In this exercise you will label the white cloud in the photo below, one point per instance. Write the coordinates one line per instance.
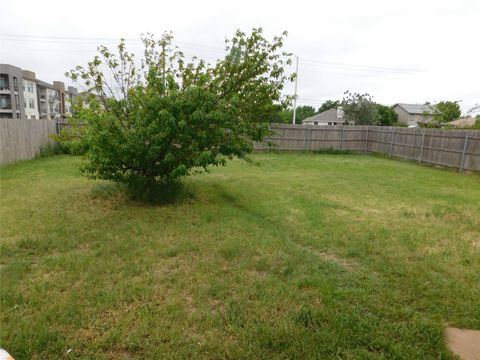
(438, 39)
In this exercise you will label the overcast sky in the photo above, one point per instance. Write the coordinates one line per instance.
(398, 51)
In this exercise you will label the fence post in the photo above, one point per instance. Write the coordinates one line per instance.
(366, 142)
(462, 164)
(392, 136)
(341, 143)
(305, 138)
(421, 146)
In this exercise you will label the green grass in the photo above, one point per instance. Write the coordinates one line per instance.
(299, 256)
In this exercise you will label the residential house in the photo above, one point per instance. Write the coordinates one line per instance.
(414, 114)
(11, 94)
(329, 117)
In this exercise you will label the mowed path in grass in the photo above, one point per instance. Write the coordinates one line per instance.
(294, 256)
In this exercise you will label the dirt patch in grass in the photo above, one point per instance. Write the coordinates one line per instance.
(464, 343)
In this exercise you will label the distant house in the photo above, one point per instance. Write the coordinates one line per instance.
(414, 114)
(329, 117)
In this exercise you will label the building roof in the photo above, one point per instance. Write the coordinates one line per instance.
(464, 122)
(45, 84)
(326, 116)
(417, 108)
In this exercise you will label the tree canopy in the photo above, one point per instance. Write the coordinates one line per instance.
(386, 115)
(285, 116)
(148, 125)
(329, 104)
(447, 111)
(359, 109)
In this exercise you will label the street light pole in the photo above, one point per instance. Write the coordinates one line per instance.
(295, 98)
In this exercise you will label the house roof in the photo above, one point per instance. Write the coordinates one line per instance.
(464, 122)
(326, 116)
(417, 108)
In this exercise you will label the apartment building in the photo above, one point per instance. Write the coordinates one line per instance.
(49, 101)
(11, 94)
(30, 96)
(24, 96)
(70, 96)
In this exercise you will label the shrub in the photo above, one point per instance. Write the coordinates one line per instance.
(169, 118)
(70, 137)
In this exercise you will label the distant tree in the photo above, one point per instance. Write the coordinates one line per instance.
(281, 116)
(446, 111)
(286, 116)
(386, 115)
(329, 104)
(304, 112)
(477, 123)
(475, 108)
(359, 109)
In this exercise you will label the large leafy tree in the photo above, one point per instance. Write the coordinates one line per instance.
(447, 111)
(148, 123)
(359, 109)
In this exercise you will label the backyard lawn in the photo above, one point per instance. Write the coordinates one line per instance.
(293, 256)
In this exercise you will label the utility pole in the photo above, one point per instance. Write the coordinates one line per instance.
(295, 98)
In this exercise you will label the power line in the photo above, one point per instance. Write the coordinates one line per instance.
(315, 64)
(313, 100)
(96, 41)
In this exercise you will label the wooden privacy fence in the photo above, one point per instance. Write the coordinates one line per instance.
(23, 139)
(453, 148)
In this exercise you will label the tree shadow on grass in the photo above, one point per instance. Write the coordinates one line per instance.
(176, 193)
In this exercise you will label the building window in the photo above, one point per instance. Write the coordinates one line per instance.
(5, 102)
(4, 82)
(315, 123)
(17, 102)
(31, 103)
(15, 84)
(6, 116)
